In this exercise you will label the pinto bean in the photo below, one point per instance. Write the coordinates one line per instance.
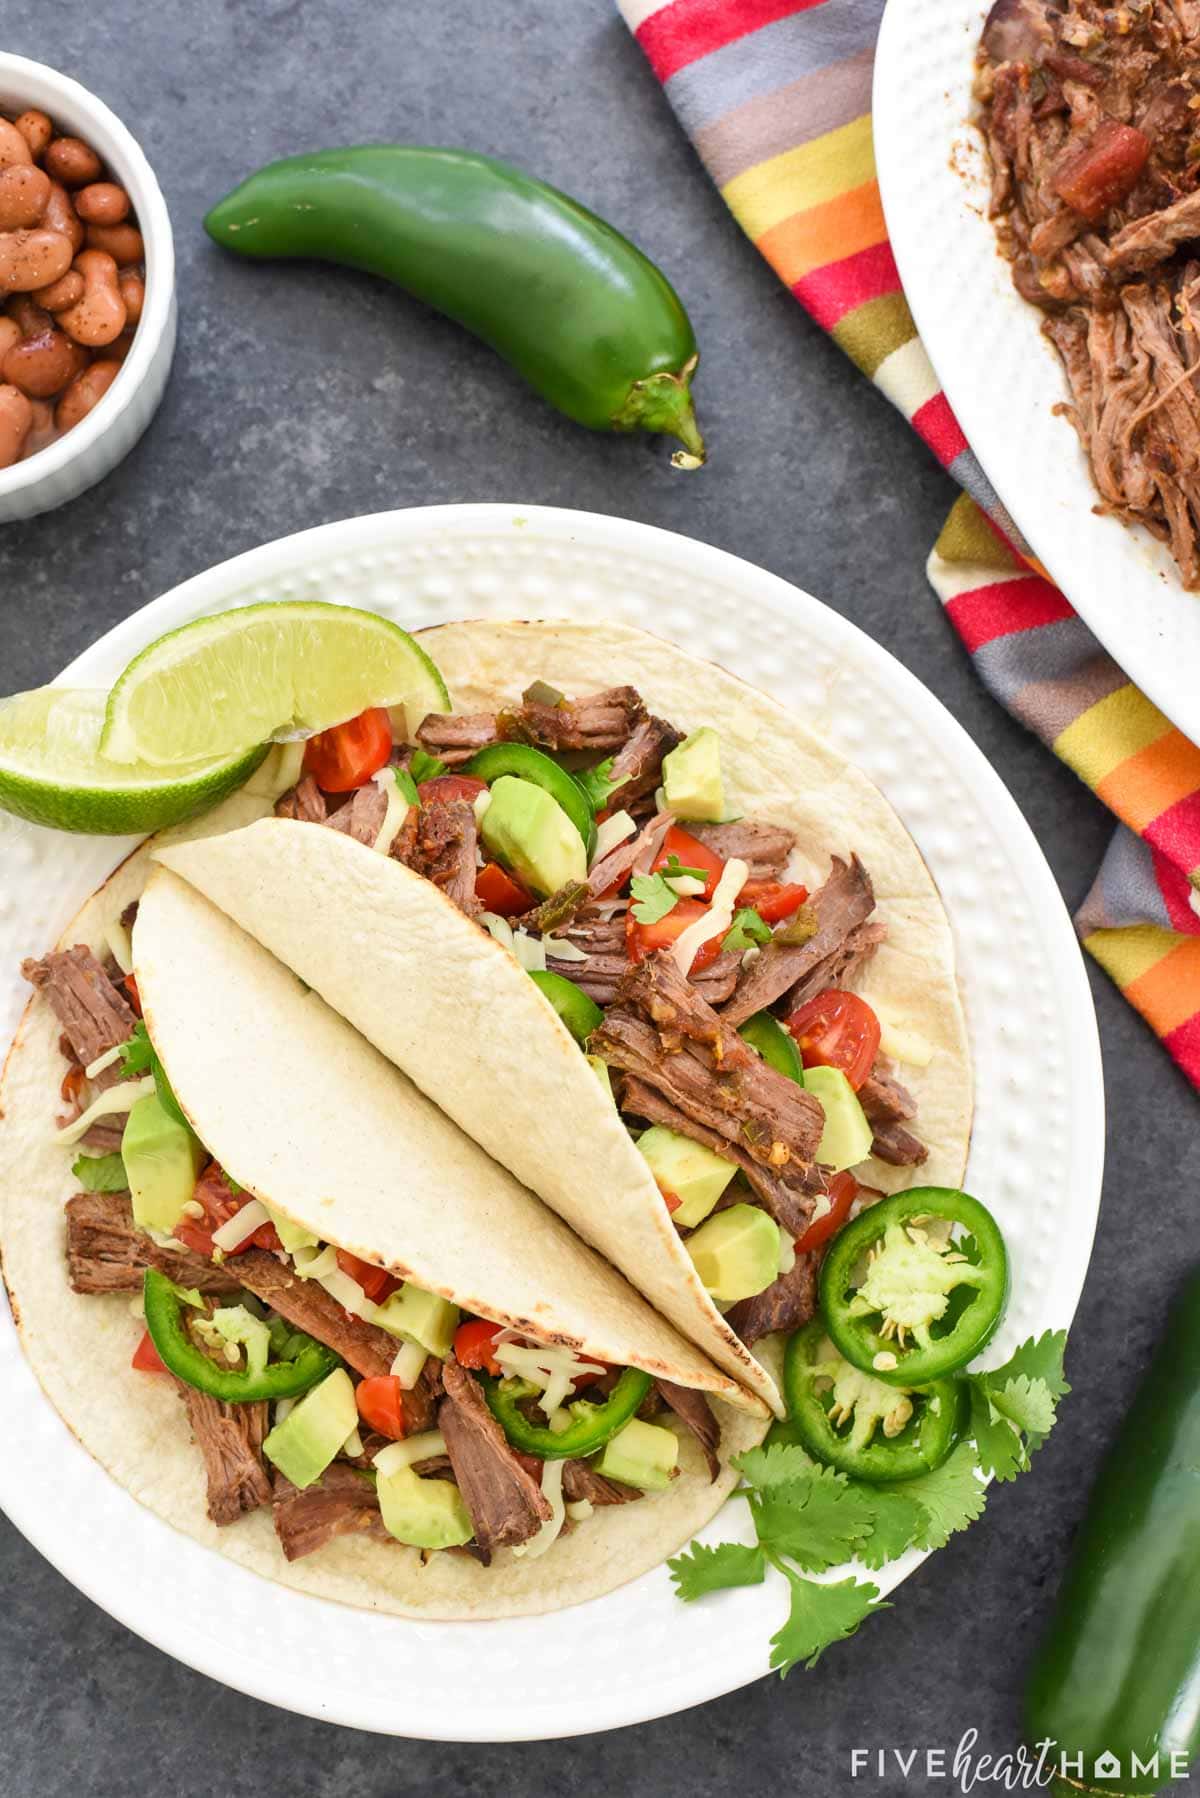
(60, 215)
(42, 366)
(24, 192)
(16, 416)
(32, 258)
(13, 148)
(42, 430)
(10, 333)
(122, 242)
(61, 293)
(131, 285)
(85, 391)
(102, 203)
(100, 315)
(71, 161)
(36, 129)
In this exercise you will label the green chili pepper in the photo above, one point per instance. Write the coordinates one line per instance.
(307, 1361)
(852, 1421)
(776, 1045)
(575, 308)
(590, 1426)
(902, 1303)
(580, 1014)
(527, 763)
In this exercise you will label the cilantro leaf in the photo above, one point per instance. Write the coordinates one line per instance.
(407, 786)
(1013, 1408)
(779, 1464)
(816, 1520)
(422, 766)
(820, 1616)
(699, 1569)
(899, 1520)
(1001, 1450)
(598, 784)
(950, 1496)
(1027, 1403)
(654, 898)
(1038, 1358)
(101, 1173)
(746, 930)
(137, 1055)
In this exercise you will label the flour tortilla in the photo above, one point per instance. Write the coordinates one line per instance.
(454, 1010)
(283, 1091)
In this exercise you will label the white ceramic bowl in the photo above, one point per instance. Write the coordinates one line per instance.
(85, 455)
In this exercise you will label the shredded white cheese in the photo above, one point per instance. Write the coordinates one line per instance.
(120, 944)
(314, 1264)
(353, 1443)
(282, 1407)
(903, 1044)
(552, 1480)
(498, 927)
(413, 1449)
(787, 1253)
(686, 885)
(396, 813)
(614, 830)
(231, 1235)
(480, 804)
(348, 1293)
(562, 949)
(101, 1062)
(555, 1370)
(122, 1097)
(580, 1510)
(530, 951)
(717, 919)
(408, 1364)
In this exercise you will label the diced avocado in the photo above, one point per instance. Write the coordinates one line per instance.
(691, 775)
(692, 1172)
(530, 833)
(304, 1444)
(421, 1316)
(162, 1160)
(641, 1454)
(292, 1236)
(847, 1136)
(736, 1253)
(423, 1513)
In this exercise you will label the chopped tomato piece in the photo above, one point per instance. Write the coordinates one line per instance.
(690, 852)
(451, 786)
(642, 939)
(1102, 173)
(72, 1080)
(347, 755)
(501, 893)
(837, 1030)
(530, 1463)
(843, 1190)
(130, 984)
(773, 900)
(213, 1191)
(475, 1342)
(376, 1282)
(671, 1200)
(380, 1401)
(146, 1357)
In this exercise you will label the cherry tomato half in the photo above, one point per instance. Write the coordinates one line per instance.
(220, 1202)
(347, 755)
(837, 1030)
(843, 1190)
(131, 987)
(380, 1401)
(475, 1343)
(501, 892)
(376, 1282)
(444, 787)
(146, 1357)
(642, 939)
(772, 899)
(690, 852)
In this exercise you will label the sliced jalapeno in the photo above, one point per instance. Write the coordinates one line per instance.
(580, 1014)
(527, 763)
(590, 1426)
(307, 1362)
(777, 1046)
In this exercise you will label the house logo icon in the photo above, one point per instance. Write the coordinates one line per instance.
(1106, 1766)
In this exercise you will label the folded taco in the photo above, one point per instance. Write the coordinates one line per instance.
(299, 1313)
(643, 936)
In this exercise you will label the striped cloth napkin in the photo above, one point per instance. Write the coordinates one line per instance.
(775, 95)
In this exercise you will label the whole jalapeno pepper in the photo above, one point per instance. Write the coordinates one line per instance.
(578, 310)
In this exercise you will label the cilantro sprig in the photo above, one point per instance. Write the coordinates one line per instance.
(747, 931)
(653, 898)
(423, 766)
(808, 1518)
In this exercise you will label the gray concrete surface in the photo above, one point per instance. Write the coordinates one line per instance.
(311, 395)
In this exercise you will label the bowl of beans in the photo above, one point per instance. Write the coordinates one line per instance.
(87, 289)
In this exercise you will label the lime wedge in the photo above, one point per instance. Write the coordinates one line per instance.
(259, 672)
(52, 772)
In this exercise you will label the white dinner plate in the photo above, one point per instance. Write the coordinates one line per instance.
(1000, 375)
(1036, 1154)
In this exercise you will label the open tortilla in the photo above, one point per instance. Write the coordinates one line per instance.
(320, 1125)
(453, 1009)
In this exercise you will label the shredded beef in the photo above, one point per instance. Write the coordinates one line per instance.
(719, 979)
(841, 966)
(637, 766)
(599, 721)
(844, 902)
(106, 1252)
(367, 1348)
(304, 801)
(421, 1402)
(580, 1481)
(362, 816)
(634, 855)
(788, 1302)
(455, 737)
(603, 942)
(763, 847)
(93, 1014)
(343, 1502)
(889, 1106)
(443, 850)
(694, 1411)
(230, 1438)
(506, 1504)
